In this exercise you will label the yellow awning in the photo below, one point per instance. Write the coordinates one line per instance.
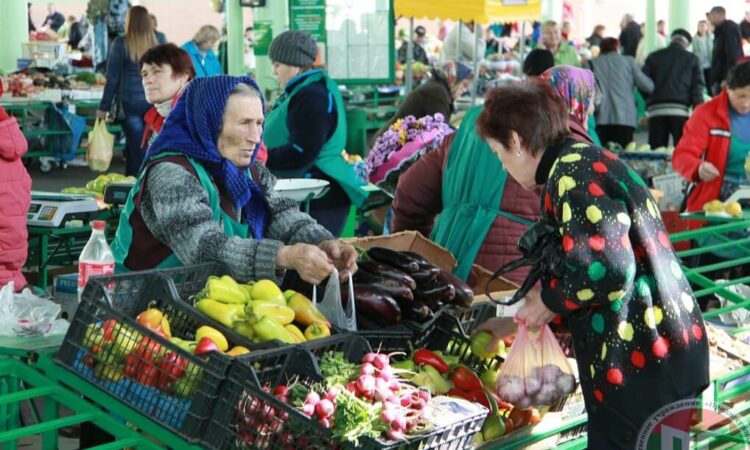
(480, 11)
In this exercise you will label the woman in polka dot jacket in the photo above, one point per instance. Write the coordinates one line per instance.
(639, 338)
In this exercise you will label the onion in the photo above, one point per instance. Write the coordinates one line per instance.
(510, 389)
(532, 385)
(565, 384)
(547, 394)
(548, 373)
(523, 403)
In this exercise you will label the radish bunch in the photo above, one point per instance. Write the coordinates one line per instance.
(321, 409)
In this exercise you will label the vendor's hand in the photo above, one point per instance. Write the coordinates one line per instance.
(707, 171)
(344, 256)
(311, 263)
(534, 313)
(101, 114)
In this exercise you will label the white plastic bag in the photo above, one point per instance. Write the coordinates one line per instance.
(738, 317)
(100, 147)
(331, 307)
(25, 314)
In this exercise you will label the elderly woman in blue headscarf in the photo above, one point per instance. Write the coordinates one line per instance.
(202, 197)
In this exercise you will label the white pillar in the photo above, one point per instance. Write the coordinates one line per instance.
(650, 31)
(552, 10)
(14, 31)
(679, 15)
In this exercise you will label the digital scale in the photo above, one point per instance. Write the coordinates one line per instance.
(742, 193)
(53, 209)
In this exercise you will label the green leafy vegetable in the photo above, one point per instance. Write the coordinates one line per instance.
(337, 371)
(355, 418)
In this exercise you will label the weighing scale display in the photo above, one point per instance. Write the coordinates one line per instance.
(34, 208)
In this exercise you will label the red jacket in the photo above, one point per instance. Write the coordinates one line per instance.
(707, 135)
(418, 201)
(15, 192)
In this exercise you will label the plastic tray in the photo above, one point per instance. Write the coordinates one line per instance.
(182, 402)
(242, 418)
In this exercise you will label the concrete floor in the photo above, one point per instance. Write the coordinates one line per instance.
(71, 176)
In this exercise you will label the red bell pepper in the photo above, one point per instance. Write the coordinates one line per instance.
(148, 375)
(424, 357)
(205, 345)
(464, 378)
(108, 328)
(171, 367)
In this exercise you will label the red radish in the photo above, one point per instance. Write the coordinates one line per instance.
(332, 393)
(395, 435)
(424, 395)
(325, 422)
(386, 374)
(399, 422)
(406, 401)
(394, 385)
(312, 397)
(367, 369)
(370, 357)
(308, 409)
(366, 384)
(352, 387)
(381, 361)
(388, 415)
(324, 408)
(281, 390)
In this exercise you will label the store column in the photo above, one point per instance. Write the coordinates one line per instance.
(14, 31)
(650, 31)
(552, 10)
(274, 16)
(235, 38)
(679, 15)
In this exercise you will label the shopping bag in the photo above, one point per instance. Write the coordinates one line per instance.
(536, 372)
(332, 306)
(100, 147)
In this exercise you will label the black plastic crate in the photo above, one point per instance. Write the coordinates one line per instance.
(471, 317)
(133, 293)
(249, 416)
(188, 281)
(166, 383)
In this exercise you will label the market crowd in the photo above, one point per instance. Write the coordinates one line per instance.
(540, 153)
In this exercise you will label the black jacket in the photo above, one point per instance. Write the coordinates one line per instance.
(677, 76)
(629, 38)
(745, 29)
(418, 53)
(727, 49)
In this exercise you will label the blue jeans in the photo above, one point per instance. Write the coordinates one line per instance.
(133, 127)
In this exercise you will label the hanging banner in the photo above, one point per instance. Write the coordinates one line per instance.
(309, 16)
(262, 29)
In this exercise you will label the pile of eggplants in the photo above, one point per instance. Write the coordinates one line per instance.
(391, 286)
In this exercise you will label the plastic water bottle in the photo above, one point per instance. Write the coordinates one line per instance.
(96, 258)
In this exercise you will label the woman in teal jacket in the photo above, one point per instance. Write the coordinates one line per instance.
(200, 49)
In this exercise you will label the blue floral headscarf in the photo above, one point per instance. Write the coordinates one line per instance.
(193, 127)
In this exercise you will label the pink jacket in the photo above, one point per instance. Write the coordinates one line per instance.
(15, 192)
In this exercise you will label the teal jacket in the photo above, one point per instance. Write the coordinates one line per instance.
(204, 66)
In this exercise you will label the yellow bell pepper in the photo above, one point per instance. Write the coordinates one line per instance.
(281, 314)
(225, 314)
(304, 311)
(317, 331)
(295, 332)
(268, 329)
(224, 290)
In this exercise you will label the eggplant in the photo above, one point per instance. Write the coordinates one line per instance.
(464, 294)
(367, 277)
(417, 257)
(443, 293)
(375, 304)
(417, 311)
(399, 293)
(393, 258)
(387, 271)
(425, 276)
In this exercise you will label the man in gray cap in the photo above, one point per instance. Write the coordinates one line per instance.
(678, 85)
(305, 131)
(420, 55)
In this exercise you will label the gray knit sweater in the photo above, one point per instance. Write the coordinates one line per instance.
(175, 209)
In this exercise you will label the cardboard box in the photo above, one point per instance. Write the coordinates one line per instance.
(410, 241)
(479, 277)
(66, 294)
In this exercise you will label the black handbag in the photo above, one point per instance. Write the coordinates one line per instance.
(116, 114)
(541, 247)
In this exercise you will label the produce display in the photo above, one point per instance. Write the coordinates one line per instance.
(392, 286)
(717, 207)
(98, 184)
(116, 351)
(359, 402)
(261, 312)
(24, 85)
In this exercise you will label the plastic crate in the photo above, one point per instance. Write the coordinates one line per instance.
(180, 397)
(471, 317)
(187, 281)
(248, 416)
(392, 338)
(135, 292)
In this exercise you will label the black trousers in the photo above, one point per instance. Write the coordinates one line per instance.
(619, 134)
(661, 127)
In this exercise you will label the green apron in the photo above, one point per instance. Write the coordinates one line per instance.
(473, 185)
(329, 161)
(124, 235)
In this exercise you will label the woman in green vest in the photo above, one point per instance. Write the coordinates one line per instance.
(306, 129)
(201, 196)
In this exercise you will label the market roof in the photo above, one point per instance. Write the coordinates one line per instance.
(480, 11)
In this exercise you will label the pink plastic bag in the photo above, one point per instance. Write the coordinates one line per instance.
(536, 372)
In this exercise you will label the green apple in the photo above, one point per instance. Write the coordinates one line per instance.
(480, 343)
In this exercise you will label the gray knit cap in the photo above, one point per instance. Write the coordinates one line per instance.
(293, 48)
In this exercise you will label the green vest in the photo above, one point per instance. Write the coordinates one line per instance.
(124, 235)
(329, 161)
(473, 185)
